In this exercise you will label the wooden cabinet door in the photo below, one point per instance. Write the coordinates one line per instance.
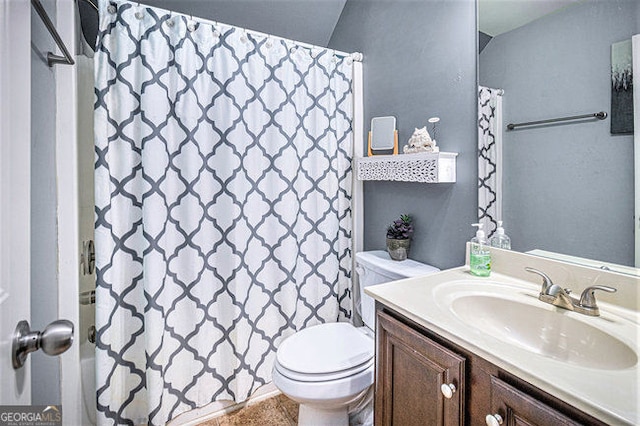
(410, 370)
(519, 409)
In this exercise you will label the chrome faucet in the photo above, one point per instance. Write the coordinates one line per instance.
(587, 304)
(557, 296)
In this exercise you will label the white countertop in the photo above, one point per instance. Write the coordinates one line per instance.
(611, 395)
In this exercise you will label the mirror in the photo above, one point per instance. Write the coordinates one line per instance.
(568, 187)
(383, 134)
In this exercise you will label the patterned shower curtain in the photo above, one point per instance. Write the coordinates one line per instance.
(489, 158)
(223, 216)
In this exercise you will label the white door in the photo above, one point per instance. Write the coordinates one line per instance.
(15, 142)
(15, 196)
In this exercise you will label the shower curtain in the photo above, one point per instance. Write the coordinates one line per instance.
(223, 216)
(489, 158)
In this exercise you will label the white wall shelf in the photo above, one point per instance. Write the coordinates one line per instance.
(439, 167)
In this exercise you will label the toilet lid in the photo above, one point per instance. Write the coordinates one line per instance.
(325, 348)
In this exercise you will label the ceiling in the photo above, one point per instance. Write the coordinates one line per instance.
(500, 16)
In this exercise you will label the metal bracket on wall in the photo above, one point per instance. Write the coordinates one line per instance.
(88, 257)
(52, 58)
(88, 297)
(91, 334)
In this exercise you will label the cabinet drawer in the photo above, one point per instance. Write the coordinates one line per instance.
(517, 408)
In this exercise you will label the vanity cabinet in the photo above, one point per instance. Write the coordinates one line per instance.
(412, 370)
(415, 366)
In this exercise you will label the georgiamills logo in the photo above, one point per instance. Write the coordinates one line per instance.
(39, 415)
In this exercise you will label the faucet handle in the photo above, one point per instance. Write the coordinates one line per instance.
(546, 281)
(588, 299)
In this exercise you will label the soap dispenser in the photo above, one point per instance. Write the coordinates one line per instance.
(480, 255)
(500, 239)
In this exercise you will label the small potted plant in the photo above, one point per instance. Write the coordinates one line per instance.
(399, 236)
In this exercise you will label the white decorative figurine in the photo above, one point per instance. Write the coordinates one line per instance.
(420, 141)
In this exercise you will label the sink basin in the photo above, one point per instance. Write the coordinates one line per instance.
(528, 323)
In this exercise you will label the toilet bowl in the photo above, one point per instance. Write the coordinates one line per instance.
(329, 368)
(325, 368)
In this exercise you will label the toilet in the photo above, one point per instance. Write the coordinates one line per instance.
(329, 368)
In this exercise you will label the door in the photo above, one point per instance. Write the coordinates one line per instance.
(418, 381)
(15, 136)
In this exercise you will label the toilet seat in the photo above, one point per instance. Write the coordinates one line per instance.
(322, 377)
(325, 352)
(327, 394)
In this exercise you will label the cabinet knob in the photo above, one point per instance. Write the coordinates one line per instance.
(493, 419)
(448, 389)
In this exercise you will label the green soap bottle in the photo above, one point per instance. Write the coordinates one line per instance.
(480, 255)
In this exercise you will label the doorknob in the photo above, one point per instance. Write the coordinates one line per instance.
(56, 338)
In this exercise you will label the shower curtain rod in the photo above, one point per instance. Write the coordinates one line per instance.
(52, 58)
(356, 56)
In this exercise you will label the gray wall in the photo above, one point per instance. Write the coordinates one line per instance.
(45, 370)
(310, 21)
(419, 62)
(567, 188)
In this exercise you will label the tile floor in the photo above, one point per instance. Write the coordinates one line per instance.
(277, 411)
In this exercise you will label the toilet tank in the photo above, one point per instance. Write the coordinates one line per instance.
(376, 267)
